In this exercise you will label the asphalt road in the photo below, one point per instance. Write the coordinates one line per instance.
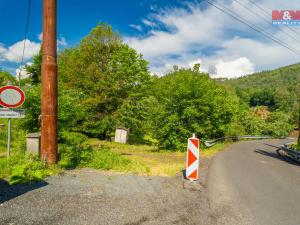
(250, 184)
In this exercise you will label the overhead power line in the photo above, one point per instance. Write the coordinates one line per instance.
(268, 21)
(269, 14)
(257, 27)
(25, 35)
(253, 27)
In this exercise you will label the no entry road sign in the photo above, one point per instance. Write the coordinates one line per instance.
(11, 96)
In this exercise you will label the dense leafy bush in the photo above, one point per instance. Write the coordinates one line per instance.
(31, 169)
(75, 152)
(72, 150)
(192, 103)
(278, 124)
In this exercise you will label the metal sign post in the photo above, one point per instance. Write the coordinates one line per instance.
(8, 138)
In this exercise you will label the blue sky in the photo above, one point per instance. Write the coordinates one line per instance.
(166, 32)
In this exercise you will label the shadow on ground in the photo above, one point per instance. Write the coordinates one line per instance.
(276, 156)
(8, 192)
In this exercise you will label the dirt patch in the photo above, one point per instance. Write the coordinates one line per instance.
(294, 134)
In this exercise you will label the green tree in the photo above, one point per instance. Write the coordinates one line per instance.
(282, 99)
(6, 78)
(107, 72)
(262, 97)
(35, 68)
(193, 103)
(141, 116)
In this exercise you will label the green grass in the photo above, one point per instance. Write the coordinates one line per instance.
(21, 167)
(144, 159)
(17, 145)
(137, 159)
(295, 146)
(18, 140)
(105, 158)
(5, 169)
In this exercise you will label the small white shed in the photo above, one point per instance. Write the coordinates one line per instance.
(122, 135)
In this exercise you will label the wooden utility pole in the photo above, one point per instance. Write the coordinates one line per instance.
(49, 84)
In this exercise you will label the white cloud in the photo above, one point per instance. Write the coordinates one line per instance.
(40, 36)
(183, 31)
(224, 46)
(21, 73)
(231, 69)
(136, 27)
(62, 41)
(148, 23)
(14, 52)
(2, 49)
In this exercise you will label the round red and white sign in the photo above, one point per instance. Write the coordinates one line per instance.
(11, 96)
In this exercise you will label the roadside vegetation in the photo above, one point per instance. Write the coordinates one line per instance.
(103, 83)
(78, 151)
(273, 97)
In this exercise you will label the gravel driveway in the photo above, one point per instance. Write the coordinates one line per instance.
(90, 197)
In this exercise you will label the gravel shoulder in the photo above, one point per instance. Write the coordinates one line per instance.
(88, 196)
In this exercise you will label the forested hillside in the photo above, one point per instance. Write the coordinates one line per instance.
(270, 93)
(278, 89)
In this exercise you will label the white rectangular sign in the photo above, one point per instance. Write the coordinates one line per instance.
(12, 113)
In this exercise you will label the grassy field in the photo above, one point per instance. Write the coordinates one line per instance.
(17, 137)
(17, 143)
(147, 160)
(4, 168)
(137, 159)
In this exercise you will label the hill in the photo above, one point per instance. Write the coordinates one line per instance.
(287, 76)
(278, 89)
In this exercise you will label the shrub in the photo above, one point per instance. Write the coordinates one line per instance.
(73, 151)
(31, 169)
(277, 125)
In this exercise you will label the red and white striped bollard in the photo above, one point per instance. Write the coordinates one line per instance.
(192, 164)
